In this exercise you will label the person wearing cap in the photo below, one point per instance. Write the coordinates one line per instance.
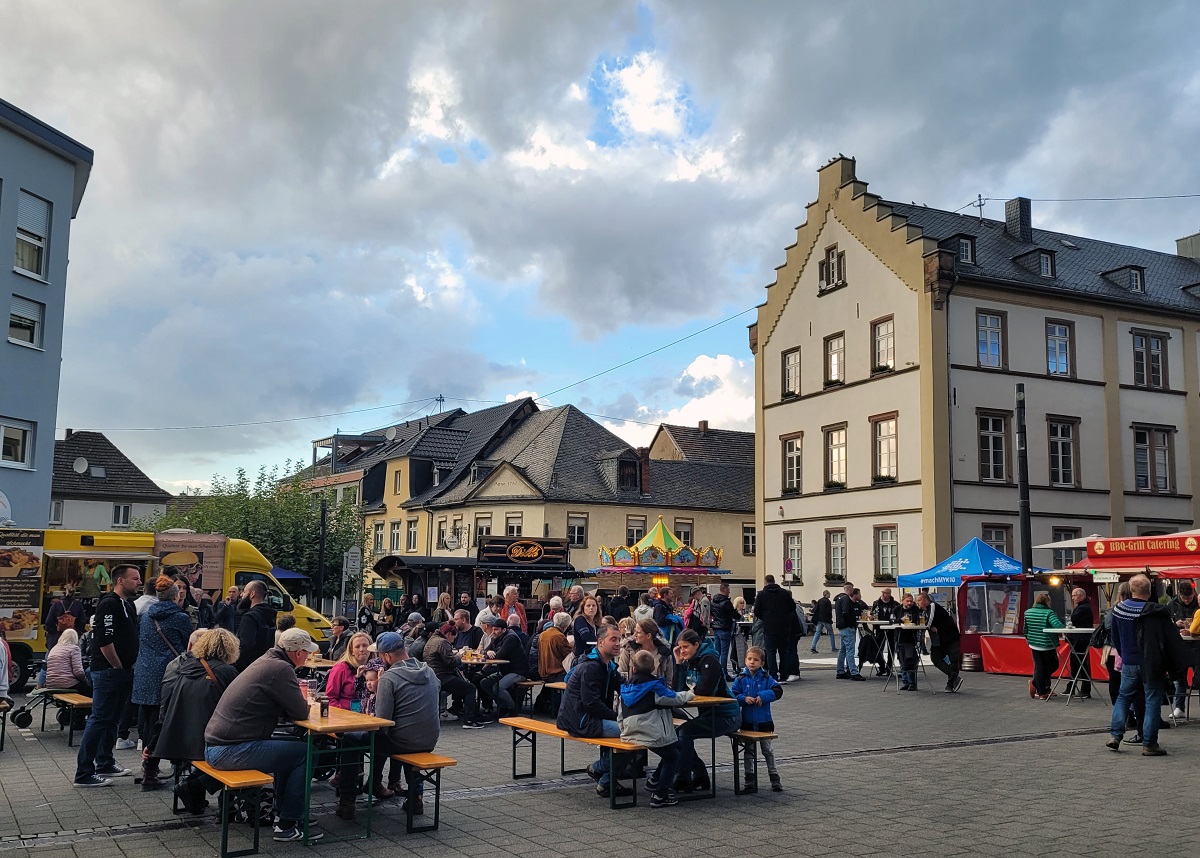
(447, 667)
(499, 679)
(407, 696)
(239, 734)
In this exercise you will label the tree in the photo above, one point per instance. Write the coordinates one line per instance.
(280, 516)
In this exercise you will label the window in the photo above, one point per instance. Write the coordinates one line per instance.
(988, 606)
(835, 555)
(835, 359)
(512, 524)
(993, 447)
(56, 512)
(791, 464)
(398, 482)
(999, 536)
(627, 475)
(1064, 557)
(394, 536)
(1046, 264)
(1152, 459)
(793, 550)
(1058, 347)
(483, 527)
(122, 512)
(16, 442)
(966, 249)
(887, 553)
(1064, 453)
(1149, 359)
(749, 540)
(831, 270)
(884, 340)
(883, 434)
(835, 457)
(1137, 282)
(577, 531)
(635, 528)
(25, 320)
(989, 327)
(349, 494)
(33, 230)
(683, 532)
(377, 538)
(410, 538)
(441, 532)
(791, 372)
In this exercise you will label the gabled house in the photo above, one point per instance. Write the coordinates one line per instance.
(97, 487)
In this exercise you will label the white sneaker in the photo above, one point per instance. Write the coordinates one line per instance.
(794, 676)
(1178, 713)
(125, 745)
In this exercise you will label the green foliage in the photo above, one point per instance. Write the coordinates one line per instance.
(276, 513)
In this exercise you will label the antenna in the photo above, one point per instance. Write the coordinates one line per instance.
(441, 401)
(80, 465)
(979, 205)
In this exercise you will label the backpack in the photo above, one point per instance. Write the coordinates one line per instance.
(691, 619)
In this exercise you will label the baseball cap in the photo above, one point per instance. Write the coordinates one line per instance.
(294, 640)
(448, 629)
(387, 642)
(416, 617)
(498, 622)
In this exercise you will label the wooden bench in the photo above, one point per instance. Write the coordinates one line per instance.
(428, 769)
(526, 687)
(232, 781)
(526, 731)
(746, 742)
(70, 701)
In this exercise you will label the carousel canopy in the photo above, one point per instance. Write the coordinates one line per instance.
(658, 552)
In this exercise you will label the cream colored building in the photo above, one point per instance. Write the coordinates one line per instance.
(888, 351)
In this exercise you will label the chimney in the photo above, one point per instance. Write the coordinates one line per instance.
(70, 432)
(644, 469)
(1018, 221)
(1188, 247)
(703, 427)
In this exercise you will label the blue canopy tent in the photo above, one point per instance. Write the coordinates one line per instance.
(974, 558)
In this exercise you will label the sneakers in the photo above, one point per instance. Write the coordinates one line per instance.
(448, 716)
(294, 832)
(793, 677)
(957, 683)
(776, 784)
(813, 650)
(592, 773)
(92, 781)
(1032, 691)
(1135, 740)
(472, 725)
(651, 783)
(843, 676)
(113, 771)
(1113, 744)
(125, 745)
(857, 677)
(1177, 713)
(603, 791)
(1154, 751)
(666, 799)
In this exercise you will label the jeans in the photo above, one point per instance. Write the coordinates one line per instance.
(776, 649)
(283, 758)
(668, 765)
(465, 692)
(691, 767)
(611, 730)
(723, 637)
(828, 629)
(498, 687)
(847, 660)
(110, 695)
(1131, 679)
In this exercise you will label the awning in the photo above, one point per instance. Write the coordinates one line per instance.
(280, 574)
(1165, 567)
(1079, 543)
(974, 558)
(395, 563)
(659, 570)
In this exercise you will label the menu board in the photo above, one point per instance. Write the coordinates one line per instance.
(21, 553)
(1011, 612)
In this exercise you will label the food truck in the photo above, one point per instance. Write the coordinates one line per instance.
(38, 566)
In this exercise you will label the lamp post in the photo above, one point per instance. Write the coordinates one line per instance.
(1023, 484)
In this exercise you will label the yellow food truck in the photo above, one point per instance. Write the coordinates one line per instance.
(37, 566)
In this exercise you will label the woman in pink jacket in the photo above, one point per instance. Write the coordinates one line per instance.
(343, 687)
(64, 664)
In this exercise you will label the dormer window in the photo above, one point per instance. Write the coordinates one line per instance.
(966, 249)
(627, 476)
(1131, 277)
(474, 473)
(1137, 280)
(1046, 263)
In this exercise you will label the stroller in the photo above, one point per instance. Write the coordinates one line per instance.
(43, 698)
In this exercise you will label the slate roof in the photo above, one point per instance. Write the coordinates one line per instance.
(1079, 264)
(365, 455)
(701, 485)
(122, 479)
(715, 446)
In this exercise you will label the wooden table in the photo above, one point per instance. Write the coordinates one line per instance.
(319, 663)
(339, 721)
(710, 704)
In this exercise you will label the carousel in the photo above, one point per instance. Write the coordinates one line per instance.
(657, 560)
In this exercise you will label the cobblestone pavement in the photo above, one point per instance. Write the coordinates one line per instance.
(986, 771)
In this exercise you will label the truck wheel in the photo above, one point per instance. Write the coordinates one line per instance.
(19, 669)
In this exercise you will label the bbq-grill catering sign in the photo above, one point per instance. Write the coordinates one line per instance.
(1182, 544)
(21, 553)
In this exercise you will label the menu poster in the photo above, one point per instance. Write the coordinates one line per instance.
(1010, 614)
(20, 582)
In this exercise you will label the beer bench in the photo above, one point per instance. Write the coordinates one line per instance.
(428, 770)
(236, 780)
(746, 742)
(70, 701)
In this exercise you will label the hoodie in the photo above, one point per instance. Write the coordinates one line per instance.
(408, 695)
(588, 700)
(758, 684)
(646, 702)
(256, 633)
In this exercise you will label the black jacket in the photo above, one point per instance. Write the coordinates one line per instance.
(774, 607)
(511, 648)
(618, 608)
(724, 614)
(592, 687)
(1163, 651)
(1180, 611)
(189, 698)
(889, 611)
(943, 631)
(845, 614)
(226, 616)
(1081, 618)
(256, 633)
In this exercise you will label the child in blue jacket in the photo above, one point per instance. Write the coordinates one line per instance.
(756, 690)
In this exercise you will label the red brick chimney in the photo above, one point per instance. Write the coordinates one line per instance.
(703, 427)
(644, 469)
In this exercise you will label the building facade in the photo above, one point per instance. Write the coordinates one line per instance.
(97, 487)
(887, 357)
(43, 174)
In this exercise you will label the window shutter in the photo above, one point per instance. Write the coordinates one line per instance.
(33, 215)
(28, 309)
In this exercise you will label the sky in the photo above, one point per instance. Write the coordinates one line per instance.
(301, 209)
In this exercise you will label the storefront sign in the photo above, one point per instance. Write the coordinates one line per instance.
(1133, 545)
(20, 582)
(523, 551)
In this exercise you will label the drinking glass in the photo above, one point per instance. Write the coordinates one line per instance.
(693, 677)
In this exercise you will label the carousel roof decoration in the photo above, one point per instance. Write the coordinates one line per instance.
(659, 552)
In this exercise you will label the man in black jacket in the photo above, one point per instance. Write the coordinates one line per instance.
(618, 605)
(506, 646)
(944, 644)
(1183, 608)
(845, 617)
(822, 618)
(724, 623)
(1081, 618)
(775, 608)
(587, 704)
(887, 609)
(256, 631)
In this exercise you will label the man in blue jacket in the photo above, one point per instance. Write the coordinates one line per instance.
(587, 704)
(1154, 621)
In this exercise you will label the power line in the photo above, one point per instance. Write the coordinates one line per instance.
(1112, 199)
(581, 411)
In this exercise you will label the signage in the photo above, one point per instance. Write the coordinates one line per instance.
(452, 542)
(1135, 545)
(352, 562)
(525, 551)
(200, 557)
(20, 582)
(787, 565)
(1106, 577)
(1011, 612)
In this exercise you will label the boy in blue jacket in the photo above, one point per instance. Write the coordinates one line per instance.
(756, 690)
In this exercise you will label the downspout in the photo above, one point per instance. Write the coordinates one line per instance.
(950, 401)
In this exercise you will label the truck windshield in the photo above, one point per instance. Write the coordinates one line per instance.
(276, 597)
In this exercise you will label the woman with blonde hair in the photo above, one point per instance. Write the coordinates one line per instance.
(443, 613)
(342, 686)
(64, 664)
(738, 642)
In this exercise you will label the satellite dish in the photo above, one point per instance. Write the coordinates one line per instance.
(80, 465)
(390, 434)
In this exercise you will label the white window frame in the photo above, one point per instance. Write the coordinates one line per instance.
(996, 441)
(33, 313)
(377, 537)
(29, 434)
(686, 526)
(122, 514)
(884, 343)
(835, 358)
(791, 372)
(836, 454)
(793, 550)
(56, 512)
(411, 534)
(966, 250)
(577, 528)
(835, 547)
(1058, 348)
(1137, 283)
(33, 228)
(1063, 452)
(483, 528)
(793, 464)
(514, 523)
(1156, 454)
(989, 332)
(395, 536)
(749, 540)
(635, 529)
(886, 444)
(1064, 557)
(1045, 264)
(887, 553)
